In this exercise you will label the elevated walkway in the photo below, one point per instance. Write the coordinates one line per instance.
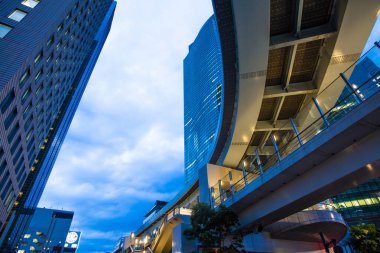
(333, 146)
(308, 224)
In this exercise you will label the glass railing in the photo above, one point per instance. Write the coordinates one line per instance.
(349, 90)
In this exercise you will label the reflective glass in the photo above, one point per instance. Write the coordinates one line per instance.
(17, 15)
(203, 98)
(4, 29)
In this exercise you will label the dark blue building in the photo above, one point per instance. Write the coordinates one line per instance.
(48, 230)
(48, 50)
(203, 95)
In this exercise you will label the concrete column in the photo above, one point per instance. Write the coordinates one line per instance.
(179, 243)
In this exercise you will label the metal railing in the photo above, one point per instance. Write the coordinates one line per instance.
(168, 217)
(349, 90)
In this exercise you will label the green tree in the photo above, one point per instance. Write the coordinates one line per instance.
(365, 238)
(211, 228)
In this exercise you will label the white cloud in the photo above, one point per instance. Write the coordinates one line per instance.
(126, 140)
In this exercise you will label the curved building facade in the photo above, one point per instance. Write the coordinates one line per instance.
(203, 98)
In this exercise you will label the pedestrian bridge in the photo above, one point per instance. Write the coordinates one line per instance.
(331, 145)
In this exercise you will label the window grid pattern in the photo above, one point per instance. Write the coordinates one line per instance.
(32, 101)
(203, 95)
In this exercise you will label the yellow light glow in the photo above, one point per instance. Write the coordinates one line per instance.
(370, 167)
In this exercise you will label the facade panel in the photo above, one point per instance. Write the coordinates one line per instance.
(203, 95)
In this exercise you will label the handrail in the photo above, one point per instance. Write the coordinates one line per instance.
(330, 110)
(172, 213)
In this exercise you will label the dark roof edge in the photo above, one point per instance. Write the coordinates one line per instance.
(223, 10)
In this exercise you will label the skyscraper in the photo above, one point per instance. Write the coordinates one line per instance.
(48, 51)
(203, 94)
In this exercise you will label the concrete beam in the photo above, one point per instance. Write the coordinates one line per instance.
(278, 109)
(299, 16)
(290, 65)
(307, 35)
(265, 126)
(292, 89)
(265, 139)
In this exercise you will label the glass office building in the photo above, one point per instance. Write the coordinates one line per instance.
(48, 50)
(361, 205)
(203, 95)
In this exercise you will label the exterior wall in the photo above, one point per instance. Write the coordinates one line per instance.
(179, 242)
(203, 98)
(45, 103)
(48, 229)
(262, 242)
(360, 205)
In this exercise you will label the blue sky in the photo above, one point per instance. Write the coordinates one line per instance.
(124, 149)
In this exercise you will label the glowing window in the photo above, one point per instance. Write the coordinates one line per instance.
(17, 15)
(30, 3)
(355, 203)
(27, 236)
(348, 204)
(4, 29)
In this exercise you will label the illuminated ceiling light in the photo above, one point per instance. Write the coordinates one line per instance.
(370, 167)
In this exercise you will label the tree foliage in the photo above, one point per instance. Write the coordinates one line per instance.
(213, 227)
(365, 238)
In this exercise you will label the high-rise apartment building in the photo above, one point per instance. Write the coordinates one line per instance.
(48, 50)
(203, 95)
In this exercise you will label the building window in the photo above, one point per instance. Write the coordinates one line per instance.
(38, 75)
(3, 166)
(38, 58)
(9, 120)
(49, 58)
(23, 78)
(13, 132)
(50, 41)
(30, 3)
(7, 101)
(25, 95)
(58, 45)
(4, 180)
(4, 29)
(17, 15)
(26, 111)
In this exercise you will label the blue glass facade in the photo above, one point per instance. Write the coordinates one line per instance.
(361, 205)
(203, 98)
(56, 79)
(48, 229)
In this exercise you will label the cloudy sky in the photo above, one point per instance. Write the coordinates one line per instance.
(124, 149)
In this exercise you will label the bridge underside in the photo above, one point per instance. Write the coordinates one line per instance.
(343, 156)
